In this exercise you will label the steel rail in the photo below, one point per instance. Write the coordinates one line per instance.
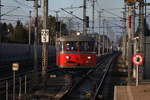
(102, 61)
(103, 77)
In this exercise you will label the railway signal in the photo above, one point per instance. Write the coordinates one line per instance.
(138, 60)
(87, 21)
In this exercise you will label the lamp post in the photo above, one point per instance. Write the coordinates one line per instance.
(15, 67)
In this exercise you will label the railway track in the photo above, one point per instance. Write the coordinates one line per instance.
(24, 82)
(88, 86)
(56, 85)
(64, 86)
(98, 92)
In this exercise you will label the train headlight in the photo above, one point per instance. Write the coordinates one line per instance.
(68, 57)
(78, 33)
(89, 57)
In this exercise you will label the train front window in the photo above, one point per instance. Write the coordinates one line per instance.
(71, 46)
(86, 46)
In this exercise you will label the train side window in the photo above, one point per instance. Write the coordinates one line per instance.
(60, 46)
(91, 45)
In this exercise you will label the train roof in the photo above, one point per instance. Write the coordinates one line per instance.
(76, 38)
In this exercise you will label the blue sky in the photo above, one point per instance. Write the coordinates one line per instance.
(25, 6)
(114, 6)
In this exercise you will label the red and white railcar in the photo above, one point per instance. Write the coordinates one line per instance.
(75, 52)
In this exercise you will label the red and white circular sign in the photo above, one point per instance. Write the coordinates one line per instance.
(137, 59)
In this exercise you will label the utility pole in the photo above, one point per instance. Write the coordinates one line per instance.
(99, 21)
(0, 10)
(124, 33)
(57, 23)
(29, 27)
(130, 37)
(93, 15)
(99, 43)
(35, 39)
(0, 21)
(107, 40)
(70, 25)
(141, 23)
(45, 44)
(78, 26)
(60, 29)
(142, 45)
(103, 51)
(57, 15)
(84, 17)
(113, 41)
(130, 20)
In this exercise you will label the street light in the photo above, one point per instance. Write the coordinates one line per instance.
(15, 67)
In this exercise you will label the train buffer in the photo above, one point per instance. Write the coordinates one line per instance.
(141, 92)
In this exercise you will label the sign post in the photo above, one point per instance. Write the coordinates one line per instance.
(137, 59)
(45, 35)
(137, 75)
(15, 67)
(44, 40)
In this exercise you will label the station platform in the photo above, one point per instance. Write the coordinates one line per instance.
(129, 91)
(140, 92)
